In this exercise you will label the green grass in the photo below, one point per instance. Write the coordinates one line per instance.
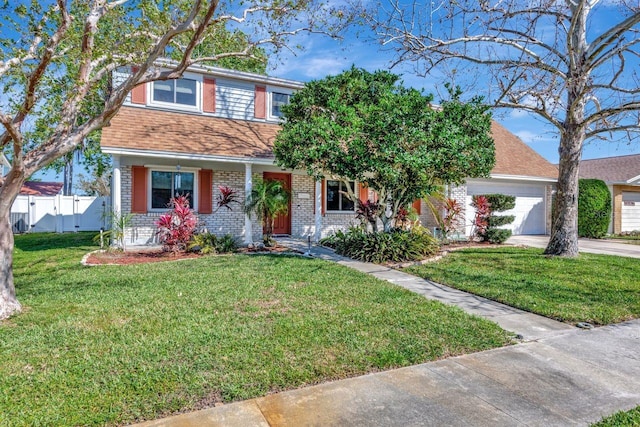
(632, 239)
(115, 344)
(621, 419)
(599, 289)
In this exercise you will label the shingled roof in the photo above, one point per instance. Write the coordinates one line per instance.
(619, 169)
(40, 188)
(147, 129)
(514, 157)
(171, 132)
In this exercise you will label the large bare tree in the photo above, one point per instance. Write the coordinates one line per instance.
(574, 63)
(57, 59)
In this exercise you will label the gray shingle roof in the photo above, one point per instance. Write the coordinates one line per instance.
(611, 169)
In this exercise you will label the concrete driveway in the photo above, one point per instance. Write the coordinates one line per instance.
(605, 247)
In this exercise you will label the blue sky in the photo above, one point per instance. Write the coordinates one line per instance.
(323, 56)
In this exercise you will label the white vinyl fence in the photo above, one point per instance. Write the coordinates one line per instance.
(59, 213)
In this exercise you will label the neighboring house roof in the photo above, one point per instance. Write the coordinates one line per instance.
(39, 188)
(514, 157)
(619, 169)
(144, 129)
(160, 131)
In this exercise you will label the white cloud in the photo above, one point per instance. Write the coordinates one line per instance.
(518, 114)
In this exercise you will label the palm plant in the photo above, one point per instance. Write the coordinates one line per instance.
(119, 223)
(267, 200)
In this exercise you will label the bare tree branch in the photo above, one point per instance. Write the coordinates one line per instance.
(583, 89)
(34, 78)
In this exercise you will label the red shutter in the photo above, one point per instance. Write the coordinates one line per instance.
(138, 189)
(323, 194)
(139, 93)
(364, 193)
(260, 102)
(209, 96)
(417, 205)
(205, 193)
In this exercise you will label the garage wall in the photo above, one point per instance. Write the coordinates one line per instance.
(626, 208)
(531, 210)
(630, 214)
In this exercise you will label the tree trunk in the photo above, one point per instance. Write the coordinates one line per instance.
(9, 305)
(67, 188)
(564, 228)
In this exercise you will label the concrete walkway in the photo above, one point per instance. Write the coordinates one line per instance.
(594, 246)
(558, 376)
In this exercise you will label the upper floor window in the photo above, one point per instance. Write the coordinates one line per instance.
(337, 197)
(277, 101)
(178, 91)
(166, 184)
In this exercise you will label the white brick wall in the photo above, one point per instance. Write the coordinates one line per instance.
(226, 221)
(222, 222)
(302, 209)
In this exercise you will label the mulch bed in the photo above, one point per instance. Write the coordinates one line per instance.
(158, 255)
(135, 257)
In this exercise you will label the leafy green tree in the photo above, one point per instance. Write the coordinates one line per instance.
(217, 40)
(267, 200)
(367, 127)
(572, 63)
(57, 59)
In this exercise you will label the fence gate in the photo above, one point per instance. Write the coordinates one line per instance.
(59, 213)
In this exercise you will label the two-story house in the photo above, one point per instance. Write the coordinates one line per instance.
(216, 127)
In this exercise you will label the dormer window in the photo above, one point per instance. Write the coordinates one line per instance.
(277, 101)
(178, 91)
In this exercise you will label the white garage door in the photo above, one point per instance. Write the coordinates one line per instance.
(630, 211)
(529, 212)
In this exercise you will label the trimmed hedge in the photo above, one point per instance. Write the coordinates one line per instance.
(499, 203)
(594, 208)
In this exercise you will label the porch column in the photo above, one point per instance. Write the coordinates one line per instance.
(248, 185)
(116, 187)
(317, 235)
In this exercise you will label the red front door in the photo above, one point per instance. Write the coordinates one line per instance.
(282, 224)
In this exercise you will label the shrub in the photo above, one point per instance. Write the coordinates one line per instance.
(498, 235)
(487, 223)
(453, 217)
(481, 218)
(208, 243)
(176, 227)
(594, 208)
(119, 223)
(367, 213)
(396, 245)
(499, 203)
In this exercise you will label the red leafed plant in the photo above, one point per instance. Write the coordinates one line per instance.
(452, 217)
(402, 218)
(483, 211)
(367, 213)
(226, 197)
(176, 227)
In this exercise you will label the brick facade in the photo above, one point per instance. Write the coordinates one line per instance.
(225, 221)
(303, 197)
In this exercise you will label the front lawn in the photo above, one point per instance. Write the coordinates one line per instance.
(599, 289)
(118, 344)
